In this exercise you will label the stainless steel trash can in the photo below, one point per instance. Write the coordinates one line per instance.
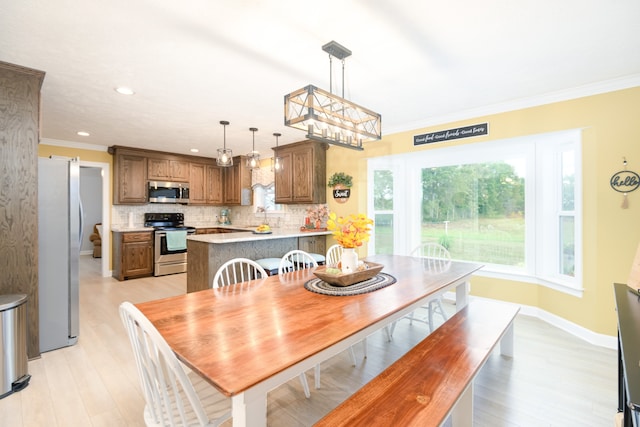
(14, 374)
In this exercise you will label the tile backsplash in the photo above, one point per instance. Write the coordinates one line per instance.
(288, 216)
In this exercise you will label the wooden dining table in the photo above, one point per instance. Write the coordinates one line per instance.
(248, 338)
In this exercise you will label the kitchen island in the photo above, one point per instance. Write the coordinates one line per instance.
(207, 252)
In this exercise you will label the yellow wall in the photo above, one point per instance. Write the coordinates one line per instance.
(610, 235)
(45, 150)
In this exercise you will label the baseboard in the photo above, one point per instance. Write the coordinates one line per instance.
(581, 332)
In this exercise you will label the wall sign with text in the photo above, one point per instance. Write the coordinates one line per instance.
(450, 134)
(341, 195)
(625, 182)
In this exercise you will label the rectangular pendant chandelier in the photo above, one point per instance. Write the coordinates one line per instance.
(330, 118)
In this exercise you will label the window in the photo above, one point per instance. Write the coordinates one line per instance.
(512, 205)
(383, 211)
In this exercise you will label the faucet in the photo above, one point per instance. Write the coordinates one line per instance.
(263, 209)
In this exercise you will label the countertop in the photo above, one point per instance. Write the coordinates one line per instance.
(247, 236)
(126, 228)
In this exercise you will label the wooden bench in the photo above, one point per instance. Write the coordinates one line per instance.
(435, 378)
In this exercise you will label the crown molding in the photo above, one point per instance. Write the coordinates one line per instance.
(597, 88)
(73, 144)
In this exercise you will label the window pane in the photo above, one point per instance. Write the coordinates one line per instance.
(383, 211)
(383, 224)
(567, 245)
(568, 179)
(383, 190)
(476, 211)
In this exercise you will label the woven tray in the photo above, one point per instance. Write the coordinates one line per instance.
(348, 279)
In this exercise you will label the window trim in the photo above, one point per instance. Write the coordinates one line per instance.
(539, 261)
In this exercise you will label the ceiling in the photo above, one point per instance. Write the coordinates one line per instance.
(194, 63)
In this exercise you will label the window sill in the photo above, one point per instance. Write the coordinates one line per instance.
(555, 284)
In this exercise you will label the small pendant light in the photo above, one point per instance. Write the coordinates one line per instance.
(276, 162)
(253, 158)
(225, 156)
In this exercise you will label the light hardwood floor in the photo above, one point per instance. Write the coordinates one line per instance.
(554, 379)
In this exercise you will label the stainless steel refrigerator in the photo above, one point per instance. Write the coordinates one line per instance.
(59, 238)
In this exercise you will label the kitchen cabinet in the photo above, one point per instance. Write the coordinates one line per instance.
(303, 176)
(214, 185)
(130, 177)
(209, 184)
(237, 183)
(132, 254)
(313, 244)
(205, 184)
(163, 169)
(197, 192)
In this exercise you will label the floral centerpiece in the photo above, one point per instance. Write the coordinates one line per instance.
(351, 231)
(316, 215)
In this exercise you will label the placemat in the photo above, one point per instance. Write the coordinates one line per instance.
(378, 281)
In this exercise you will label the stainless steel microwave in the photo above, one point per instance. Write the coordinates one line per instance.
(168, 192)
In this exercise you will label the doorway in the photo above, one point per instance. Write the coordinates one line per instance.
(98, 178)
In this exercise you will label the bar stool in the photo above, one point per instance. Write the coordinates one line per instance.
(320, 259)
(270, 265)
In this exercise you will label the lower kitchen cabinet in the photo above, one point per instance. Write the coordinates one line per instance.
(313, 244)
(132, 254)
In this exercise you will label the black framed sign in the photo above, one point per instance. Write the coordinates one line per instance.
(625, 181)
(450, 134)
(341, 195)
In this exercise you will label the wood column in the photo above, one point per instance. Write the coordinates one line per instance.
(19, 138)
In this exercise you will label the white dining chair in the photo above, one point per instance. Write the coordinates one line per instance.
(172, 396)
(241, 270)
(334, 253)
(237, 270)
(297, 260)
(436, 258)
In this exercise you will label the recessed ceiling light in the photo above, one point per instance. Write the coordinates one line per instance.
(83, 133)
(194, 150)
(125, 91)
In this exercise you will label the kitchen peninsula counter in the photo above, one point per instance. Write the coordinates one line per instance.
(207, 252)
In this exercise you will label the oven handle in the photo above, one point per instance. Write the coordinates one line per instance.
(164, 233)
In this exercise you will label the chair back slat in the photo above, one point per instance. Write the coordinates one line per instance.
(237, 270)
(436, 258)
(296, 260)
(334, 254)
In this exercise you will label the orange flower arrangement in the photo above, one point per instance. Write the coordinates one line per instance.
(352, 231)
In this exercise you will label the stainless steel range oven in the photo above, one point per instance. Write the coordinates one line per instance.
(170, 252)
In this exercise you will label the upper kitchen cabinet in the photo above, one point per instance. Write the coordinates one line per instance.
(237, 182)
(168, 170)
(214, 185)
(205, 184)
(130, 177)
(303, 175)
